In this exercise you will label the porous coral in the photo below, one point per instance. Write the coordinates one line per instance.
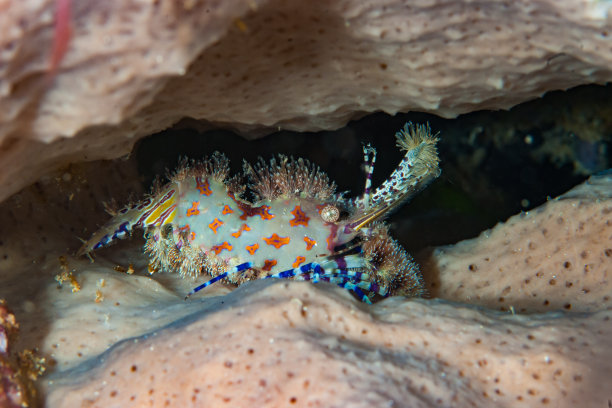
(308, 66)
(133, 68)
(558, 256)
(290, 344)
(14, 393)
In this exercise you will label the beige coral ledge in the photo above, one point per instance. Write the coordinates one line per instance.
(135, 67)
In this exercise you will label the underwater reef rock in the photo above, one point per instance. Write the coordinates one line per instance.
(291, 343)
(13, 392)
(83, 80)
(558, 256)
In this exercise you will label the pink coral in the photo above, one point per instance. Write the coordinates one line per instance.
(556, 257)
(292, 343)
(13, 392)
(134, 68)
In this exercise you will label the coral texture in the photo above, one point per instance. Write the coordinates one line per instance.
(293, 344)
(133, 68)
(558, 256)
(12, 390)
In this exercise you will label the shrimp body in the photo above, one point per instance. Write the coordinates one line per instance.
(295, 228)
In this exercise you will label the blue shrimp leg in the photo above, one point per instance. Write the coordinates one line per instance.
(347, 279)
(369, 158)
(237, 269)
(314, 272)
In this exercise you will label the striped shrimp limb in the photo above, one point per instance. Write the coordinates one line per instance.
(418, 168)
(351, 280)
(155, 210)
(351, 287)
(337, 271)
(315, 273)
(350, 264)
(342, 278)
(369, 159)
(238, 269)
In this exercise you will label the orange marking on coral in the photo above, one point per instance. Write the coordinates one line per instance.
(244, 227)
(184, 229)
(268, 264)
(203, 186)
(300, 217)
(276, 241)
(227, 210)
(192, 236)
(309, 243)
(252, 248)
(215, 225)
(219, 248)
(194, 209)
(298, 261)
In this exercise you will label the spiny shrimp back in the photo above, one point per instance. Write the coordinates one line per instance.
(296, 227)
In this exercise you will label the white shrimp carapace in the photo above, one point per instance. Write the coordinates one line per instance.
(296, 227)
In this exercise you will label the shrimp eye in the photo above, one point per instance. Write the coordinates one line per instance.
(330, 213)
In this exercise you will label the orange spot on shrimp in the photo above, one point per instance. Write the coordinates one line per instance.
(215, 225)
(194, 209)
(269, 264)
(298, 261)
(276, 241)
(299, 217)
(244, 227)
(330, 241)
(264, 213)
(309, 243)
(219, 248)
(248, 211)
(203, 186)
(227, 210)
(192, 236)
(252, 248)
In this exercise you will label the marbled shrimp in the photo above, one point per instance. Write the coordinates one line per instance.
(295, 228)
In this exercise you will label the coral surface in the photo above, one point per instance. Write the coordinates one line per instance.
(521, 315)
(293, 344)
(558, 256)
(131, 68)
(13, 392)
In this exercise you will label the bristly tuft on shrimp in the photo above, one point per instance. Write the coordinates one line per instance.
(297, 228)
